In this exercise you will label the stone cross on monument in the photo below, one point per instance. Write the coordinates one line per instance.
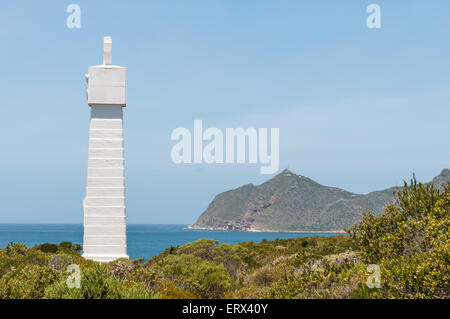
(104, 206)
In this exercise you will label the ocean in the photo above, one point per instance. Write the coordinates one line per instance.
(142, 240)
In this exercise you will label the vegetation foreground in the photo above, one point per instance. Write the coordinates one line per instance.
(409, 242)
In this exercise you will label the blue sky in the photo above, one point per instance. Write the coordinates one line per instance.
(357, 108)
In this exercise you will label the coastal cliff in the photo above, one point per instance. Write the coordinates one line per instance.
(293, 203)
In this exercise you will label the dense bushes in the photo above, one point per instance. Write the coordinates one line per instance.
(25, 273)
(202, 269)
(410, 242)
(98, 283)
(204, 279)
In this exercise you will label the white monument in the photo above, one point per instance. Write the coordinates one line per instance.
(104, 206)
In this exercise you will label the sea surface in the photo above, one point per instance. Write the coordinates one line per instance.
(142, 240)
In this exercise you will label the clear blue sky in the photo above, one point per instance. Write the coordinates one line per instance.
(357, 108)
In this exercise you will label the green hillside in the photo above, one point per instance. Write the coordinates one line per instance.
(291, 202)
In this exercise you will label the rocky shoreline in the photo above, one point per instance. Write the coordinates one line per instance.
(257, 230)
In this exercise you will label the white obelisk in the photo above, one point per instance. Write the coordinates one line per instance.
(104, 206)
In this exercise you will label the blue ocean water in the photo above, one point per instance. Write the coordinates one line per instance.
(142, 240)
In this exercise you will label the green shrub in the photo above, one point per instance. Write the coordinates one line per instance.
(15, 249)
(204, 278)
(28, 282)
(66, 244)
(410, 242)
(97, 283)
(47, 248)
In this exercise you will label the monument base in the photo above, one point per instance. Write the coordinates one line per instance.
(104, 258)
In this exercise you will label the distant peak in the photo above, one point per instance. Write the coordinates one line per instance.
(442, 178)
(288, 173)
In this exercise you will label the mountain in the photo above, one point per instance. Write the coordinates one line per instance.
(442, 178)
(291, 202)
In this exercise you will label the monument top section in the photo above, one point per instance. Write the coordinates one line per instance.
(107, 50)
(106, 83)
